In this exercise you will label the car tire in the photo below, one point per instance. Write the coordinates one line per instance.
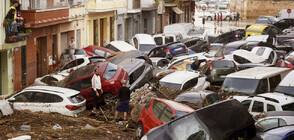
(204, 49)
(209, 18)
(227, 18)
(108, 98)
(139, 130)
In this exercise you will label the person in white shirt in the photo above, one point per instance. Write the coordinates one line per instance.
(71, 48)
(96, 89)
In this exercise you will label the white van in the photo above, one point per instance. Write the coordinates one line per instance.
(143, 42)
(254, 80)
(161, 39)
(284, 14)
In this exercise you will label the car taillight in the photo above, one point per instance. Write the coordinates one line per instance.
(174, 68)
(166, 50)
(290, 66)
(72, 107)
(210, 66)
(237, 36)
(236, 66)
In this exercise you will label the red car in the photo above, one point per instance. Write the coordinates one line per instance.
(100, 51)
(111, 77)
(286, 63)
(158, 112)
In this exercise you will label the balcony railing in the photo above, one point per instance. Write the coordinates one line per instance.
(44, 4)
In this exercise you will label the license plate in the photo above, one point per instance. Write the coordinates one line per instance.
(178, 49)
(223, 76)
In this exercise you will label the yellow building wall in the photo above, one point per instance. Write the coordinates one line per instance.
(105, 4)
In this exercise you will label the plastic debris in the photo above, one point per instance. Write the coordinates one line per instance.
(57, 126)
(24, 137)
(88, 126)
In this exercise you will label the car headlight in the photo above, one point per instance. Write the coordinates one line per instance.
(144, 137)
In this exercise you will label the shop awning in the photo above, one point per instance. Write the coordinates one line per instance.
(177, 10)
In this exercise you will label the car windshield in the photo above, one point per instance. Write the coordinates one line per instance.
(146, 48)
(111, 47)
(188, 128)
(76, 98)
(285, 89)
(222, 64)
(237, 85)
(110, 71)
(262, 21)
(288, 107)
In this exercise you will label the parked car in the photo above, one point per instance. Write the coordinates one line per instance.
(257, 29)
(143, 42)
(257, 80)
(161, 39)
(207, 123)
(200, 98)
(111, 77)
(197, 33)
(284, 23)
(50, 79)
(229, 36)
(183, 65)
(130, 54)
(274, 119)
(157, 112)
(266, 102)
(48, 100)
(280, 133)
(159, 62)
(177, 60)
(286, 86)
(120, 46)
(169, 50)
(139, 71)
(217, 70)
(196, 44)
(269, 19)
(79, 53)
(244, 57)
(99, 51)
(80, 62)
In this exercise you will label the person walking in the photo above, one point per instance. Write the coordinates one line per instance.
(71, 48)
(217, 17)
(96, 89)
(214, 17)
(231, 17)
(221, 17)
(122, 101)
(237, 18)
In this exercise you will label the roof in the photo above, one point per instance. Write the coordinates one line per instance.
(180, 76)
(130, 64)
(256, 27)
(67, 92)
(280, 97)
(257, 38)
(280, 113)
(177, 106)
(258, 72)
(288, 80)
(280, 131)
(122, 45)
(145, 39)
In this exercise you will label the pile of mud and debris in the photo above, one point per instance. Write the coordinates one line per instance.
(39, 125)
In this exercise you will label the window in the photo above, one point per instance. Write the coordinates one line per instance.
(80, 52)
(162, 62)
(189, 84)
(73, 64)
(240, 60)
(223, 64)
(85, 83)
(271, 57)
(270, 107)
(110, 71)
(24, 97)
(274, 82)
(288, 107)
(99, 52)
(166, 115)
(158, 40)
(158, 108)
(76, 98)
(246, 103)
(169, 39)
(111, 47)
(136, 74)
(39, 97)
(136, 45)
(271, 123)
(56, 98)
(257, 106)
(262, 87)
(49, 80)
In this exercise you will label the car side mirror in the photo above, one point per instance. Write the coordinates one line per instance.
(12, 99)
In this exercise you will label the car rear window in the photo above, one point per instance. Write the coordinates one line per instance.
(222, 64)
(111, 47)
(288, 107)
(76, 98)
(285, 89)
(158, 40)
(240, 60)
(49, 80)
(80, 52)
(110, 71)
(83, 71)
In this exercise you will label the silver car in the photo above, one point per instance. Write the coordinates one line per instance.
(79, 53)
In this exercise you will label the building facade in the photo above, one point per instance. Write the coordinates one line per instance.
(10, 57)
(149, 16)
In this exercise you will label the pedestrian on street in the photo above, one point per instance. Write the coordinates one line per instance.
(217, 17)
(237, 18)
(221, 17)
(71, 48)
(214, 16)
(231, 17)
(196, 64)
(96, 89)
(122, 101)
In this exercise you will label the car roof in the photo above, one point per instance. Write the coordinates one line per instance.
(176, 106)
(67, 92)
(280, 113)
(254, 58)
(258, 72)
(145, 39)
(280, 131)
(122, 45)
(256, 27)
(131, 64)
(128, 54)
(180, 76)
(193, 94)
(258, 38)
(281, 98)
(288, 80)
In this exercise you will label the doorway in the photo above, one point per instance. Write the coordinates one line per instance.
(23, 66)
(0, 74)
(42, 56)
(54, 49)
(101, 32)
(96, 32)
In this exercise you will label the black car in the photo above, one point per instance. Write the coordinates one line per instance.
(224, 120)
(266, 20)
(229, 36)
(169, 50)
(129, 54)
(285, 23)
(196, 44)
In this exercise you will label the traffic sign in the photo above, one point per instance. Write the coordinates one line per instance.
(289, 11)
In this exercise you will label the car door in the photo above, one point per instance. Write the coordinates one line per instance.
(154, 114)
(257, 108)
(84, 86)
(57, 104)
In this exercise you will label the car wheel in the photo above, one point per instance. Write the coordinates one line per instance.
(209, 18)
(227, 18)
(204, 49)
(139, 130)
(108, 98)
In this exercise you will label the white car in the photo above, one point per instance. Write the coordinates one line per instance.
(192, 57)
(143, 42)
(185, 80)
(244, 57)
(120, 46)
(267, 102)
(47, 99)
(275, 119)
(161, 39)
(159, 62)
(267, 53)
(50, 79)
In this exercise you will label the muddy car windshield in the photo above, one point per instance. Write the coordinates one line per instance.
(237, 85)
(285, 89)
(146, 48)
(187, 128)
(110, 71)
(168, 84)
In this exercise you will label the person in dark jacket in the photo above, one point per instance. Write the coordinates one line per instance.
(9, 18)
(123, 101)
(196, 64)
